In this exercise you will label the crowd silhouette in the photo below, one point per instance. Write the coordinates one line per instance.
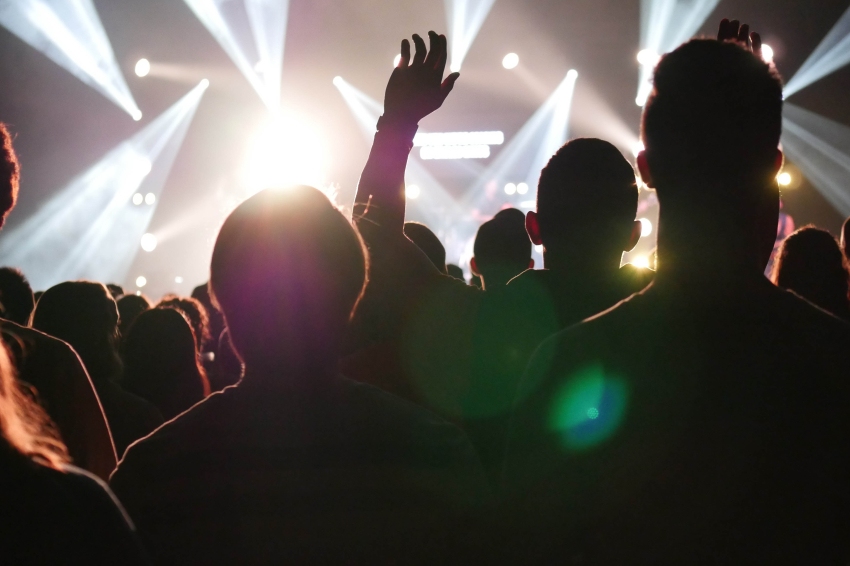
(338, 393)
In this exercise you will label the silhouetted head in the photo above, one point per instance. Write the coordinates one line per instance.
(129, 307)
(711, 128)
(161, 363)
(810, 263)
(84, 315)
(10, 174)
(288, 270)
(16, 297)
(502, 248)
(116, 290)
(586, 204)
(845, 238)
(455, 271)
(195, 313)
(428, 242)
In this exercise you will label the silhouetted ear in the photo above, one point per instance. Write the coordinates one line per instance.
(474, 267)
(643, 168)
(532, 226)
(637, 227)
(780, 161)
(531, 263)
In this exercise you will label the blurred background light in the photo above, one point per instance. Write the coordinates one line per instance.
(141, 281)
(645, 227)
(510, 61)
(148, 242)
(142, 68)
(831, 54)
(70, 33)
(412, 191)
(510, 189)
(465, 18)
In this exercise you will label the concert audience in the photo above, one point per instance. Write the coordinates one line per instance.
(502, 249)
(677, 427)
(84, 315)
(427, 241)
(129, 308)
(161, 362)
(195, 313)
(811, 264)
(16, 297)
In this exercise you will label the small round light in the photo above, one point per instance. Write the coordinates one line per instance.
(338, 81)
(784, 178)
(178, 279)
(454, 67)
(522, 188)
(510, 61)
(641, 261)
(645, 227)
(148, 242)
(138, 199)
(143, 67)
(397, 60)
(141, 281)
(150, 198)
(572, 74)
(136, 115)
(648, 57)
(204, 84)
(510, 189)
(637, 148)
(767, 53)
(412, 191)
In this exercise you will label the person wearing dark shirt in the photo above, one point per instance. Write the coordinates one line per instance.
(296, 463)
(427, 241)
(16, 298)
(52, 512)
(84, 314)
(462, 352)
(703, 420)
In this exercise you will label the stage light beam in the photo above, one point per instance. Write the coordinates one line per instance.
(465, 18)
(831, 54)
(70, 33)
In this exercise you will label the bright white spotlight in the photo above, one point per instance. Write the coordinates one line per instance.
(70, 33)
(637, 148)
(454, 152)
(831, 54)
(141, 281)
(641, 261)
(510, 61)
(138, 199)
(178, 279)
(645, 227)
(522, 188)
(150, 198)
(784, 178)
(465, 18)
(338, 81)
(136, 115)
(767, 53)
(287, 150)
(91, 228)
(648, 57)
(252, 33)
(148, 242)
(204, 84)
(510, 189)
(396, 60)
(412, 191)
(143, 67)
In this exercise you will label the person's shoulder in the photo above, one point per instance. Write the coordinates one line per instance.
(635, 278)
(37, 340)
(821, 327)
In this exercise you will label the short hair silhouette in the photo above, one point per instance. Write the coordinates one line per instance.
(16, 296)
(704, 90)
(287, 269)
(83, 314)
(587, 189)
(116, 290)
(195, 313)
(455, 271)
(427, 241)
(130, 307)
(10, 174)
(810, 263)
(161, 363)
(502, 246)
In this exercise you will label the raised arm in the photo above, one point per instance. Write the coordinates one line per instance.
(415, 89)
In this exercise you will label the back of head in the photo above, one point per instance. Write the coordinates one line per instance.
(195, 313)
(428, 242)
(711, 128)
(84, 315)
(845, 238)
(10, 174)
(587, 196)
(455, 271)
(116, 290)
(287, 271)
(16, 297)
(161, 363)
(502, 242)
(129, 307)
(810, 263)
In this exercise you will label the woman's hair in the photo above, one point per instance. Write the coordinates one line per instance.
(810, 263)
(195, 312)
(24, 425)
(161, 363)
(84, 315)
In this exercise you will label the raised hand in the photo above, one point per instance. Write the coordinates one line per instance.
(416, 88)
(739, 33)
